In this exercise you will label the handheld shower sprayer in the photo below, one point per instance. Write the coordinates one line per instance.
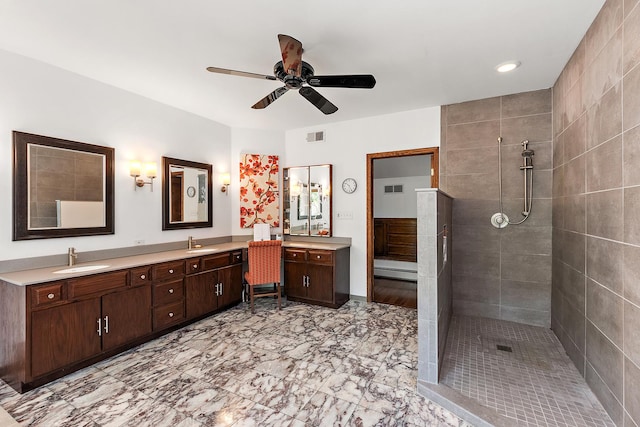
(500, 219)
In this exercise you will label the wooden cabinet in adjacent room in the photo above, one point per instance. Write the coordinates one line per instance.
(395, 239)
(317, 276)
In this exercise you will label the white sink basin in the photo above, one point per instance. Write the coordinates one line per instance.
(80, 269)
(201, 250)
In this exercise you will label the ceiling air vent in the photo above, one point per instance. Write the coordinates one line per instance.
(315, 136)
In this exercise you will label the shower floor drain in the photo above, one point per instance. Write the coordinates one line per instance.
(504, 348)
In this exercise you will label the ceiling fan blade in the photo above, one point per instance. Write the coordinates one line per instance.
(239, 73)
(321, 103)
(291, 50)
(264, 102)
(358, 81)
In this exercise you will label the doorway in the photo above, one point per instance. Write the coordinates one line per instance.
(391, 222)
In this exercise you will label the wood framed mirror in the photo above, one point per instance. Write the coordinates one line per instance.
(187, 190)
(61, 188)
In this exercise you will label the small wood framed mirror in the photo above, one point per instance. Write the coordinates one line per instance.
(186, 194)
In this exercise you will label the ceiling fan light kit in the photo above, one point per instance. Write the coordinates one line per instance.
(299, 75)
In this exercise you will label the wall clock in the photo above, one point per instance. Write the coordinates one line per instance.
(349, 185)
(191, 191)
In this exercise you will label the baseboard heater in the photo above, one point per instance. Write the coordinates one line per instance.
(396, 273)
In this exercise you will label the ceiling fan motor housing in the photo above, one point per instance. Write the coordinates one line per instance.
(292, 81)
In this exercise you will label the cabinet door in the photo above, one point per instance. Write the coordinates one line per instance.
(231, 280)
(63, 335)
(320, 282)
(126, 316)
(200, 293)
(295, 279)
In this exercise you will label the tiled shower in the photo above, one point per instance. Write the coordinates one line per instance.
(499, 273)
(574, 265)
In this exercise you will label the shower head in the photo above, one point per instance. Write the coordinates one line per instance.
(527, 153)
(524, 144)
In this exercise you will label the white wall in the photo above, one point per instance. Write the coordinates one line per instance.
(346, 147)
(41, 99)
(398, 205)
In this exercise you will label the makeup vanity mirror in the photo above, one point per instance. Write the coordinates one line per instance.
(307, 201)
(61, 188)
(186, 194)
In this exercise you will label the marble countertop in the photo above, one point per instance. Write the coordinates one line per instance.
(50, 274)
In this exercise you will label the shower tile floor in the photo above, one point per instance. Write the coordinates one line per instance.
(302, 366)
(535, 383)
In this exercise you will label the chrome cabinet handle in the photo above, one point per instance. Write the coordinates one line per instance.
(106, 324)
(221, 288)
(51, 296)
(171, 290)
(142, 276)
(99, 326)
(195, 266)
(217, 289)
(171, 270)
(171, 314)
(318, 256)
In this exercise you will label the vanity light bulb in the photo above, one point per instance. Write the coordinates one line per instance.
(151, 170)
(134, 168)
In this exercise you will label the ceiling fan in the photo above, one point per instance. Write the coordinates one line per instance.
(297, 74)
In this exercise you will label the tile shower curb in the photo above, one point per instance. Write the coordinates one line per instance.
(463, 406)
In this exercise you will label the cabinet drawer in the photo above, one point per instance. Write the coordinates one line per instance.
(168, 315)
(320, 257)
(295, 254)
(167, 270)
(194, 265)
(168, 292)
(215, 261)
(99, 283)
(140, 276)
(236, 257)
(42, 296)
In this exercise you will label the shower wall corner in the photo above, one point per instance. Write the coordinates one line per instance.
(435, 293)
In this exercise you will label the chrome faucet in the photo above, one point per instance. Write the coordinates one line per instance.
(73, 256)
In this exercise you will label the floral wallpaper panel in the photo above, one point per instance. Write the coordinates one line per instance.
(259, 190)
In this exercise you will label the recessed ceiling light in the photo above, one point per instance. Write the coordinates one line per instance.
(505, 67)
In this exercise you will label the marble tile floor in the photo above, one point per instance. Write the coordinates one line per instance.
(303, 366)
(532, 383)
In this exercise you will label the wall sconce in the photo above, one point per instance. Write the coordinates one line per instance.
(295, 188)
(150, 171)
(226, 180)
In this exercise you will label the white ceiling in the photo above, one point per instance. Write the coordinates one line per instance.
(422, 53)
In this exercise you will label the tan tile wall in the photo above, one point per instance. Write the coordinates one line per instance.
(596, 209)
(501, 274)
(58, 174)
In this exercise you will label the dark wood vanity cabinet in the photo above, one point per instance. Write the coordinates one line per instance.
(92, 315)
(317, 276)
(168, 292)
(51, 329)
(218, 284)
